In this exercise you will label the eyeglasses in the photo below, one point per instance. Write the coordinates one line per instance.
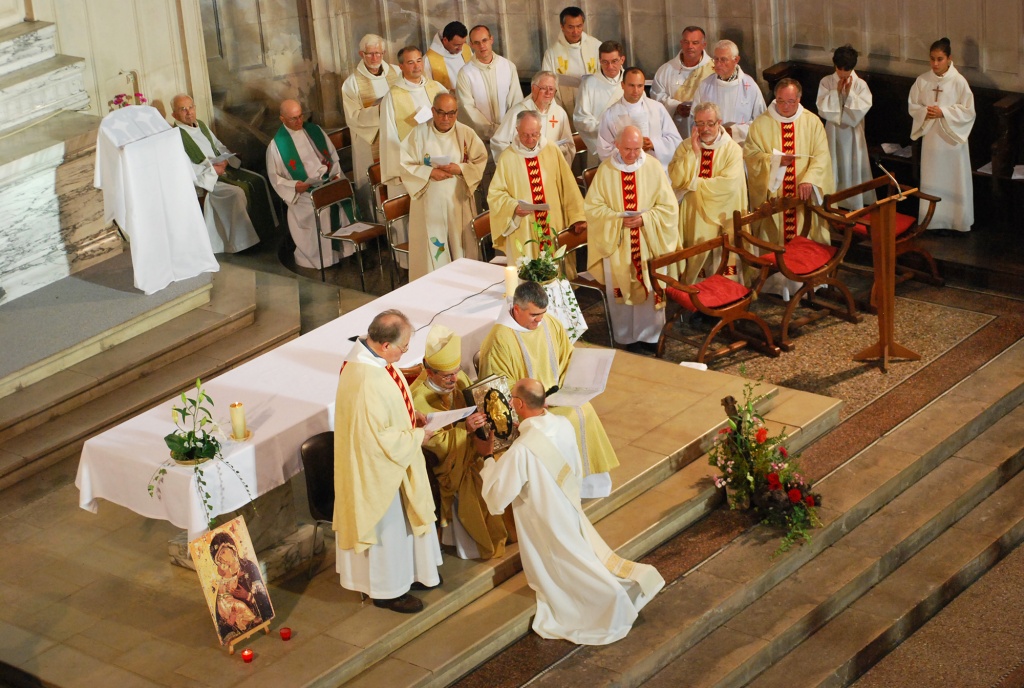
(787, 102)
(453, 374)
(404, 349)
(373, 54)
(722, 60)
(545, 89)
(706, 125)
(445, 113)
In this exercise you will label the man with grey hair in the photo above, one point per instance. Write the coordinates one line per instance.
(737, 94)
(541, 477)
(707, 174)
(383, 507)
(555, 124)
(676, 82)
(527, 341)
(361, 94)
(532, 172)
(236, 198)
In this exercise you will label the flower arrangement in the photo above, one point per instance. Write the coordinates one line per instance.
(193, 443)
(544, 267)
(759, 473)
(122, 100)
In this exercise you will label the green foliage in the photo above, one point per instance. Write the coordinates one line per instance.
(545, 266)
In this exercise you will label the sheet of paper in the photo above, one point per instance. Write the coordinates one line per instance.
(351, 229)
(586, 377)
(897, 150)
(436, 421)
(534, 207)
(633, 213)
(424, 115)
(563, 142)
(440, 160)
(569, 80)
(222, 158)
(1018, 172)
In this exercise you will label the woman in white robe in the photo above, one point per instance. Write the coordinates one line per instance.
(843, 101)
(942, 107)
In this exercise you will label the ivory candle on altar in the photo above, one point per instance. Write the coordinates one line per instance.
(237, 421)
(246, 655)
(511, 280)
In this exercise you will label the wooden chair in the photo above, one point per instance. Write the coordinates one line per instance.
(573, 243)
(588, 178)
(802, 260)
(378, 190)
(395, 209)
(342, 141)
(481, 225)
(908, 230)
(579, 161)
(339, 193)
(715, 296)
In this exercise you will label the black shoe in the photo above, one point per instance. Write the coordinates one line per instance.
(419, 586)
(642, 348)
(406, 604)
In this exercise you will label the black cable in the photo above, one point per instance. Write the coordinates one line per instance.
(459, 303)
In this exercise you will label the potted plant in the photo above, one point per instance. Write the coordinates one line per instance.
(544, 268)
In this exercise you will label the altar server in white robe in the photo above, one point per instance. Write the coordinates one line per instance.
(676, 82)
(361, 94)
(571, 57)
(442, 205)
(632, 216)
(843, 101)
(224, 210)
(301, 152)
(447, 55)
(660, 136)
(586, 593)
(597, 93)
(383, 508)
(942, 107)
(737, 95)
(555, 124)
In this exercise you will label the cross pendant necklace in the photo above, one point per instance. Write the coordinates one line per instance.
(937, 91)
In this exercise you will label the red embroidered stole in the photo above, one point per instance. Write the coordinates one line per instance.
(707, 159)
(631, 202)
(789, 181)
(537, 188)
(396, 376)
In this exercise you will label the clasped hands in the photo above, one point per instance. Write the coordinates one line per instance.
(442, 172)
(934, 112)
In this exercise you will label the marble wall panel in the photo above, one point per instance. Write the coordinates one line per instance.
(31, 246)
(1003, 31)
(882, 19)
(734, 9)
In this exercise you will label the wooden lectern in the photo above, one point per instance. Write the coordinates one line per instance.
(883, 254)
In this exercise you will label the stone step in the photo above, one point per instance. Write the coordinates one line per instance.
(42, 89)
(231, 307)
(736, 577)
(841, 651)
(826, 587)
(276, 321)
(631, 526)
(26, 43)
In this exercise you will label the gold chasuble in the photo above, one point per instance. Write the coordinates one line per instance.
(544, 354)
(406, 108)
(687, 90)
(802, 134)
(458, 472)
(618, 188)
(713, 186)
(438, 68)
(376, 451)
(522, 175)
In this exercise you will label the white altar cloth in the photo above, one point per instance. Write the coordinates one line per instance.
(147, 183)
(288, 395)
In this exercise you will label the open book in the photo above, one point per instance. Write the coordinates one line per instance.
(586, 377)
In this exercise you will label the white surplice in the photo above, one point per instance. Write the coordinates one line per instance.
(301, 222)
(364, 124)
(844, 127)
(667, 81)
(650, 117)
(486, 92)
(740, 101)
(597, 93)
(578, 598)
(554, 126)
(945, 157)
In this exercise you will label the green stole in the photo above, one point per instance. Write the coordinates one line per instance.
(192, 148)
(296, 170)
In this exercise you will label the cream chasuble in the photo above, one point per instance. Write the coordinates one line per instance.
(573, 60)
(443, 67)
(674, 83)
(739, 100)
(458, 473)
(361, 94)
(486, 92)
(441, 211)
(945, 157)
(844, 126)
(585, 592)
(544, 354)
(713, 186)
(801, 134)
(398, 113)
(597, 93)
(555, 127)
(511, 184)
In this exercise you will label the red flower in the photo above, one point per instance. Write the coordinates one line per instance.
(809, 500)
(762, 435)
(291, 164)
(723, 431)
(782, 450)
(773, 482)
(794, 496)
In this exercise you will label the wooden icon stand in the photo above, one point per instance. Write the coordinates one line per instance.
(883, 254)
(265, 627)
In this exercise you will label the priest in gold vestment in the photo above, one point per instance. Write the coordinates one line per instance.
(632, 217)
(532, 171)
(465, 521)
(527, 342)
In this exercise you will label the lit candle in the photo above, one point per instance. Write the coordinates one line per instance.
(286, 633)
(247, 655)
(511, 280)
(237, 421)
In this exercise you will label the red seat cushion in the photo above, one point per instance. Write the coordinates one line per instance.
(804, 256)
(715, 292)
(903, 223)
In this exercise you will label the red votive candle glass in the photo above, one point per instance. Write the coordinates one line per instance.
(286, 633)
(247, 655)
